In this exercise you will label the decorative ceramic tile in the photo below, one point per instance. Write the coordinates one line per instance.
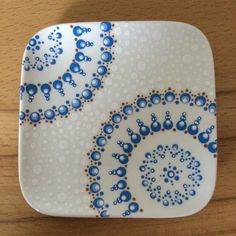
(118, 119)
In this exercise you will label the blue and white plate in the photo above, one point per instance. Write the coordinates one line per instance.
(118, 119)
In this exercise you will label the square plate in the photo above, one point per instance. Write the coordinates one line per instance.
(118, 119)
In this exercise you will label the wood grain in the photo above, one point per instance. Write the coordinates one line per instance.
(21, 19)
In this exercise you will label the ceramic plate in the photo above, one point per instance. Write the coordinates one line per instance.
(118, 119)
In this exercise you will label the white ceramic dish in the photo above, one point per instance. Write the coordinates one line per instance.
(118, 119)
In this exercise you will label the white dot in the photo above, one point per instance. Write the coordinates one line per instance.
(187, 59)
(37, 169)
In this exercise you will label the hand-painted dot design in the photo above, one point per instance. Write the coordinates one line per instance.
(171, 174)
(51, 54)
(174, 183)
(85, 94)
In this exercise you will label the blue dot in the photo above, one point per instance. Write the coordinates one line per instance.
(96, 83)
(200, 101)
(101, 141)
(63, 110)
(75, 67)
(133, 207)
(165, 202)
(79, 56)
(98, 202)
(121, 171)
(31, 89)
(95, 187)
(57, 84)
(76, 103)
(106, 56)
(212, 108)
(49, 114)
(105, 26)
(192, 192)
(108, 41)
(185, 98)
(104, 213)
(22, 115)
(34, 117)
(116, 118)
(45, 88)
(78, 31)
(128, 109)
(108, 129)
(155, 98)
(52, 61)
(141, 102)
(59, 50)
(67, 77)
(81, 44)
(32, 42)
(95, 155)
(121, 184)
(93, 171)
(102, 70)
(125, 196)
(87, 94)
(58, 35)
(169, 97)
(212, 147)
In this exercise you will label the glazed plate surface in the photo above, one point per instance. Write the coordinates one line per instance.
(118, 119)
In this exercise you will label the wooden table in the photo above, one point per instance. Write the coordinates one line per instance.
(19, 20)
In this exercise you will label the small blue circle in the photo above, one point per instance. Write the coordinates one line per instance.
(108, 129)
(45, 88)
(125, 196)
(32, 42)
(49, 114)
(96, 156)
(96, 83)
(78, 31)
(155, 98)
(31, 89)
(22, 115)
(121, 171)
(185, 98)
(57, 84)
(101, 141)
(121, 184)
(79, 56)
(200, 101)
(34, 117)
(93, 171)
(104, 213)
(141, 102)
(133, 207)
(75, 67)
(87, 94)
(67, 77)
(116, 118)
(212, 108)
(52, 61)
(169, 97)
(76, 103)
(81, 44)
(63, 110)
(105, 26)
(108, 41)
(128, 109)
(98, 202)
(95, 187)
(102, 70)
(106, 56)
